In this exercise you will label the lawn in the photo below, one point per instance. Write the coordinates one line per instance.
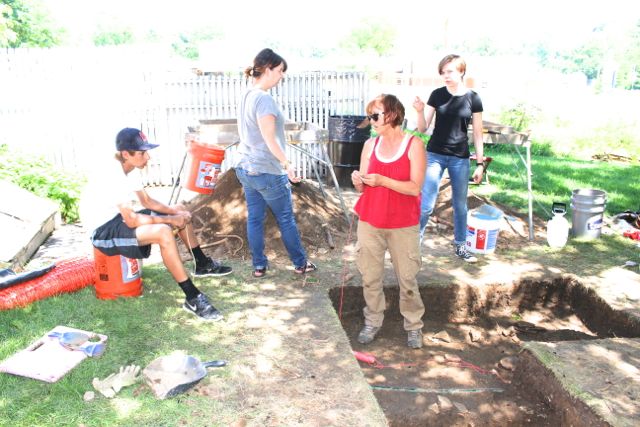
(554, 179)
(139, 329)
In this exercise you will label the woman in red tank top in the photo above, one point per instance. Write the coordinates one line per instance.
(392, 169)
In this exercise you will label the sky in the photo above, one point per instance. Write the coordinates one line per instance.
(300, 24)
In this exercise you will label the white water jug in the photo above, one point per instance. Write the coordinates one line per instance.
(558, 226)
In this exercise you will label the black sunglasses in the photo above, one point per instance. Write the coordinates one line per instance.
(374, 116)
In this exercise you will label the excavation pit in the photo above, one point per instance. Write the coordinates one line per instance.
(476, 366)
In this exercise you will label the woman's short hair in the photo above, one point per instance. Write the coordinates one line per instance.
(393, 108)
(457, 60)
(266, 59)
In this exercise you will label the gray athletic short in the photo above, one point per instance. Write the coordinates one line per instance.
(115, 238)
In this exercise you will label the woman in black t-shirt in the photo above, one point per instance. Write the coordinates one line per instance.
(455, 107)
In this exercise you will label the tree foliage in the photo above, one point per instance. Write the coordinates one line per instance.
(24, 23)
(371, 36)
(605, 49)
(187, 44)
(113, 37)
(628, 76)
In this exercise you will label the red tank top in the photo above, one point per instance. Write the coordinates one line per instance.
(385, 208)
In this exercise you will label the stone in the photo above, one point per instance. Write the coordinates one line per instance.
(460, 407)
(444, 403)
(442, 336)
(452, 358)
(509, 332)
(475, 335)
(508, 363)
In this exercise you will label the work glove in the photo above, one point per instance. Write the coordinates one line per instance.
(127, 376)
(112, 384)
(105, 386)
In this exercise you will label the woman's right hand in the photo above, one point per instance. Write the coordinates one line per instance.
(291, 174)
(418, 104)
(356, 180)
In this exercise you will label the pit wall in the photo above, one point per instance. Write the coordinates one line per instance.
(464, 302)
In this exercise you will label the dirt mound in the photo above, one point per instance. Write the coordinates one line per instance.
(223, 215)
(220, 219)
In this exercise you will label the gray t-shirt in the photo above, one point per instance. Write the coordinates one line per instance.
(253, 153)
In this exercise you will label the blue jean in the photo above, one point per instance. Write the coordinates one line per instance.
(274, 191)
(459, 177)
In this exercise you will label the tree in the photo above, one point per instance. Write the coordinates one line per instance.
(113, 38)
(628, 58)
(187, 45)
(370, 35)
(23, 23)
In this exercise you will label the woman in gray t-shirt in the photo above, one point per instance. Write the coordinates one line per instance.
(262, 166)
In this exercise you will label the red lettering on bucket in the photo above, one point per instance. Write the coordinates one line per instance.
(481, 239)
(130, 269)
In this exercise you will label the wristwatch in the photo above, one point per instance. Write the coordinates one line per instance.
(480, 164)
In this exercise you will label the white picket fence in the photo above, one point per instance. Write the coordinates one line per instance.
(67, 104)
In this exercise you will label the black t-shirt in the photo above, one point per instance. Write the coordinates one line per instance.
(453, 115)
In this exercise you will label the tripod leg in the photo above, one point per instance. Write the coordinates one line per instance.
(177, 180)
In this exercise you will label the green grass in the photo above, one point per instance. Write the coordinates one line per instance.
(555, 178)
(139, 330)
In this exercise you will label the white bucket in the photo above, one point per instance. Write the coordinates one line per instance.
(483, 226)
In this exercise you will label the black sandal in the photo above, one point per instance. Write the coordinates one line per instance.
(309, 267)
(259, 272)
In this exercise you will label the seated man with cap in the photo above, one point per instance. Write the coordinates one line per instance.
(120, 229)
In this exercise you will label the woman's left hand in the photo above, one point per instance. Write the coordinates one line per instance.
(372, 179)
(477, 174)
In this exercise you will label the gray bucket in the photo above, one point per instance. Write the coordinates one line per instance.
(587, 208)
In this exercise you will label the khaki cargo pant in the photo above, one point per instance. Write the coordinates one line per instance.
(402, 244)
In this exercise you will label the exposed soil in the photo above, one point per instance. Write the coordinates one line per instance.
(471, 362)
(471, 370)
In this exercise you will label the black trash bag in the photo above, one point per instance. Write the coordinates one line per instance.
(9, 278)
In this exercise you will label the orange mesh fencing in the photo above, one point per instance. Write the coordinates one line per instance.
(67, 276)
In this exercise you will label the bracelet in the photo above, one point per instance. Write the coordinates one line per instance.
(479, 164)
(285, 165)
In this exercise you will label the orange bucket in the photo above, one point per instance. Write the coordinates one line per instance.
(116, 276)
(203, 166)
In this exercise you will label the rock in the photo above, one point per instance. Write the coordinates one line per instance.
(508, 363)
(475, 335)
(442, 336)
(460, 407)
(89, 396)
(421, 400)
(444, 403)
(509, 332)
(452, 358)
(434, 408)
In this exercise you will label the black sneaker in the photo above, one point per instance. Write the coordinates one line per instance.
(201, 307)
(462, 253)
(212, 268)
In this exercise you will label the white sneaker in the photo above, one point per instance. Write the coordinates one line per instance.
(461, 252)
